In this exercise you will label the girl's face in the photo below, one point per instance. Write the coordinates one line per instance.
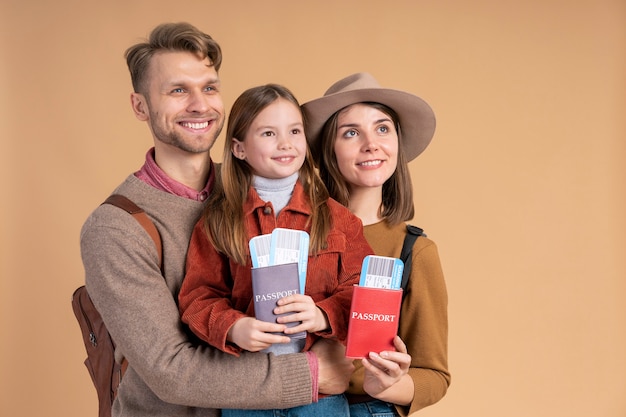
(366, 146)
(274, 145)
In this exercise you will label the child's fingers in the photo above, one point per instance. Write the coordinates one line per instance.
(297, 329)
(267, 327)
(295, 298)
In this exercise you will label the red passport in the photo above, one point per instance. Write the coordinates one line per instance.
(271, 283)
(373, 324)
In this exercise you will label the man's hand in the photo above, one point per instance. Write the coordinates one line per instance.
(334, 368)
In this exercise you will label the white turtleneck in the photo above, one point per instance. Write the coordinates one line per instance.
(275, 191)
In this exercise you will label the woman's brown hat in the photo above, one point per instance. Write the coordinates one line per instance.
(417, 119)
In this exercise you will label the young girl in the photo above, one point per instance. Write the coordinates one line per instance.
(268, 180)
(364, 136)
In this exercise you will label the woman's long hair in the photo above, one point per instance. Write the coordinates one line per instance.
(224, 220)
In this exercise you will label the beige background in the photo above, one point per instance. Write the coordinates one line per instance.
(522, 188)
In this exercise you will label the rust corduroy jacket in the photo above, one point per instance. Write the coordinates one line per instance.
(216, 291)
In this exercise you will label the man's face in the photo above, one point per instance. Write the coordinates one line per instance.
(182, 102)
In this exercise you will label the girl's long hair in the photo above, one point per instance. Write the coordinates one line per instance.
(224, 220)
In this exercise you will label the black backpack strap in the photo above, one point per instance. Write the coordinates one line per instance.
(413, 232)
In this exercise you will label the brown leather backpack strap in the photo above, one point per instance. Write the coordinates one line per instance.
(126, 204)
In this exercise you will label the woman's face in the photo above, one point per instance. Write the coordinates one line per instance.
(366, 146)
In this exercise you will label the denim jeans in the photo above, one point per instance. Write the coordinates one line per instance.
(374, 408)
(334, 405)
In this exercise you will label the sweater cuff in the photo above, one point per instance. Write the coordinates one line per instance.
(314, 367)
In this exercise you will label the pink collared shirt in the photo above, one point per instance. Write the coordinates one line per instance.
(151, 174)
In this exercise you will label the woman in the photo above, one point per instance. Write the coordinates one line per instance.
(363, 137)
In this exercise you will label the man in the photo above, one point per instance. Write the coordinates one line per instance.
(177, 92)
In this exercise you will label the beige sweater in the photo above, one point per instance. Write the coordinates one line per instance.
(169, 374)
(423, 317)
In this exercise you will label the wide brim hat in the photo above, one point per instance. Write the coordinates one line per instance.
(417, 119)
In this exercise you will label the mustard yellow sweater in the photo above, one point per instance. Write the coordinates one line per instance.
(423, 317)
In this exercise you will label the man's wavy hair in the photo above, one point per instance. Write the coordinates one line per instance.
(170, 37)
